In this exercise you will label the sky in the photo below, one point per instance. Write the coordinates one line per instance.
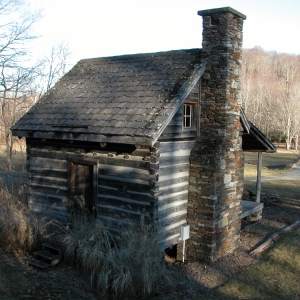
(97, 28)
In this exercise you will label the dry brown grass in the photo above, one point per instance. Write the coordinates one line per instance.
(19, 228)
(250, 171)
(18, 158)
(131, 267)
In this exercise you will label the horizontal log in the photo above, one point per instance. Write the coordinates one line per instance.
(173, 179)
(50, 198)
(120, 161)
(49, 181)
(79, 160)
(190, 134)
(49, 154)
(141, 152)
(121, 212)
(173, 128)
(89, 137)
(171, 197)
(47, 207)
(171, 189)
(171, 204)
(175, 154)
(47, 163)
(34, 171)
(125, 172)
(124, 180)
(169, 241)
(117, 203)
(172, 169)
(167, 161)
(171, 229)
(172, 211)
(172, 219)
(110, 191)
(49, 189)
(122, 200)
(175, 146)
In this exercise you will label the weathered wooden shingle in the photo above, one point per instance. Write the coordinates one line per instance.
(130, 95)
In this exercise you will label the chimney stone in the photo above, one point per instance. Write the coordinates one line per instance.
(216, 172)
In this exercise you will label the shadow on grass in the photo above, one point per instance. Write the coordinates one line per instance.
(284, 188)
(275, 277)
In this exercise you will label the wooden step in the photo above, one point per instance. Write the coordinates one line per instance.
(46, 255)
(38, 264)
(53, 247)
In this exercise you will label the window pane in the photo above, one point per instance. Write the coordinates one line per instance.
(188, 110)
(187, 116)
(188, 122)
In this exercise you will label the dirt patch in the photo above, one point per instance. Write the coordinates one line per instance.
(190, 280)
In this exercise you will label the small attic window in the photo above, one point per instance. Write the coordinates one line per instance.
(187, 115)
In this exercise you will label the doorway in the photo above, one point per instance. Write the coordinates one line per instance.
(83, 184)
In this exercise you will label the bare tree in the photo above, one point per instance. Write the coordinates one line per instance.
(15, 101)
(55, 64)
(270, 93)
(15, 25)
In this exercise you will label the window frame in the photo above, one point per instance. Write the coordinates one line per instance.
(192, 115)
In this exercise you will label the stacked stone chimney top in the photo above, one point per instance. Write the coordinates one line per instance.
(216, 12)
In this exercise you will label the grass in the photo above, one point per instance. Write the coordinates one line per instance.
(19, 227)
(132, 266)
(275, 277)
(19, 158)
(272, 163)
(284, 188)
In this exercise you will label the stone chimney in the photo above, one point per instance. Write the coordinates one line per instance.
(216, 171)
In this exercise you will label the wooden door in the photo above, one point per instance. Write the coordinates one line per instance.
(83, 185)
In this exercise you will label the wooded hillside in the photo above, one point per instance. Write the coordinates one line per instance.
(271, 93)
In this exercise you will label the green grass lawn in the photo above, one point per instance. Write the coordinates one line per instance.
(284, 188)
(279, 159)
(275, 277)
(273, 163)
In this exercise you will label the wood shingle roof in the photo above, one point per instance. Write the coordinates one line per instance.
(129, 96)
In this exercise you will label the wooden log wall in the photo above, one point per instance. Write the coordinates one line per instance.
(47, 174)
(126, 183)
(127, 188)
(175, 147)
(173, 190)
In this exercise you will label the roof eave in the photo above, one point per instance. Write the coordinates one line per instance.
(86, 137)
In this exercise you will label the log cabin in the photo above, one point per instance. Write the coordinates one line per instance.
(157, 135)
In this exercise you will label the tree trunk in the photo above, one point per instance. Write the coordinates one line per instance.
(9, 148)
(296, 142)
